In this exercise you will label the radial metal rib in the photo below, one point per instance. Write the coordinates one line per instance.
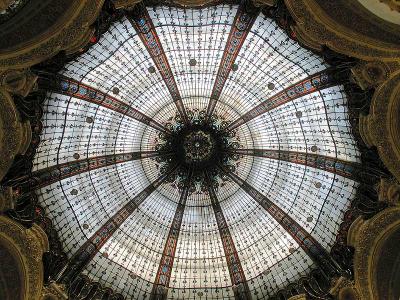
(88, 250)
(47, 176)
(316, 82)
(141, 21)
(333, 165)
(238, 278)
(310, 245)
(244, 20)
(163, 277)
(71, 87)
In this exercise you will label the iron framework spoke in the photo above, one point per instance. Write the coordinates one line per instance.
(316, 82)
(141, 21)
(94, 244)
(163, 276)
(309, 244)
(333, 165)
(47, 176)
(71, 87)
(244, 20)
(238, 278)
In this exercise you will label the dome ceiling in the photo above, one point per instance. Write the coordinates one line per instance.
(170, 189)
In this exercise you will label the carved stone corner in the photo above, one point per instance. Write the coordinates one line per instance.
(75, 29)
(389, 191)
(29, 245)
(6, 199)
(316, 29)
(370, 74)
(19, 82)
(15, 135)
(344, 289)
(366, 238)
(54, 291)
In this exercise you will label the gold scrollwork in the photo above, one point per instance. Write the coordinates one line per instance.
(381, 128)
(316, 29)
(29, 246)
(367, 237)
(66, 36)
(15, 135)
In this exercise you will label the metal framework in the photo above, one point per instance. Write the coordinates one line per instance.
(316, 82)
(310, 245)
(238, 278)
(89, 249)
(70, 87)
(331, 164)
(59, 172)
(202, 47)
(244, 20)
(159, 291)
(141, 21)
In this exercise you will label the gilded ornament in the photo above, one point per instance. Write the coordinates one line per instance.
(10, 122)
(30, 244)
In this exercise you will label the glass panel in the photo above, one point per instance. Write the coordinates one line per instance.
(194, 41)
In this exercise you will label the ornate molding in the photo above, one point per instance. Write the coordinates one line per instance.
(393, 4)
(54, 291)
(29, 245)
(18, 82)
(119, 4)
(315, 29)
(344, 289)
(4, 4)
(370, 74)
(366, 237)
(73, 32)
(381, 128)
(298, 297)
(389, 191)
(127, 4)
(15, 135)
(7, 200)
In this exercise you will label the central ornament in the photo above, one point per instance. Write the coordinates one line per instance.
(198, 146)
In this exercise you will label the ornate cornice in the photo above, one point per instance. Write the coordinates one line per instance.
(66, 36)
(316, 29)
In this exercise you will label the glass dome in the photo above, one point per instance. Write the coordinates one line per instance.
(111, 113)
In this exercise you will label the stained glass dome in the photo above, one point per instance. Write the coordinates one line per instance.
(196, 153)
